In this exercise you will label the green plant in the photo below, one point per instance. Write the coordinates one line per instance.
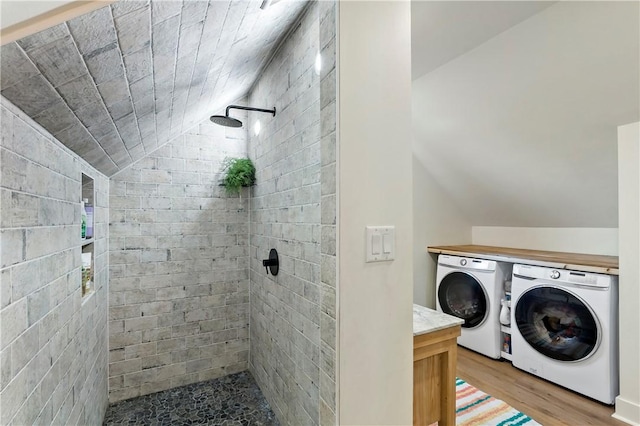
(239, 172)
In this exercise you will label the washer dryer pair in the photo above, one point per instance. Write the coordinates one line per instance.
(471, 289)
(564, 328)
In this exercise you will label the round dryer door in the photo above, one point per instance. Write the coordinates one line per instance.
(463, 296)
(557, 323)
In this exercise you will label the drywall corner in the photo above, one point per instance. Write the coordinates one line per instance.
(374, 165)
(628, 402)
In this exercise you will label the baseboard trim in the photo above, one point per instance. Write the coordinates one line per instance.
(627, 411)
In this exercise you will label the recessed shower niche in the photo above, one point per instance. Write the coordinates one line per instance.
(87, 233)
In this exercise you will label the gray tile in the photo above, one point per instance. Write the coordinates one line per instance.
(76, 137)
(32, 95)
(5, 368)
(163, 66)
(14, 321)
(124, 163)
(105, 64)
(38, 305)
(216, 15)
(149, 141)
(102, 128)
(147, 124)
(6, 129)
(79, 92)
(190, 40)
(105, 165)
(44, 283)
(96, 155)
(162, 10)
(5, 288)
(122, 158)
(123, 7)
(12, 242)
(134, 30)
(120, 109)
(114, 91)
(125, 27)
(56, 117)
(91, 150)
(138, 64)
(141, 88)
(193, 11)
(93, 30)
(165, 36)
(92, 113)
(113, 145)
(163, 103)
(59, 61)
(111, 142)
(128, 130)
(201, 69)
(15, 66)
(163, 120)
(184, 69)
(44, 37)
(137, 152)
(145, 106)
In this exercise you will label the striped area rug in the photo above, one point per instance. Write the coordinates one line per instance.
(474, 407)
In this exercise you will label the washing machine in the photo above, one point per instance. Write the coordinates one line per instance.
(564, 328)
(471, 289)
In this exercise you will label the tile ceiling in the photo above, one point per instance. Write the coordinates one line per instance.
(115, 84)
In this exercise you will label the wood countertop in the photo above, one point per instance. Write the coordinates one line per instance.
(553, 259)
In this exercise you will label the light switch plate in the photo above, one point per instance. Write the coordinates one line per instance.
(380, 243)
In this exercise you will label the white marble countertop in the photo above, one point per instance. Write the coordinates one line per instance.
(426, 320)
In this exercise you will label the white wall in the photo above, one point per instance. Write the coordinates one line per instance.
(574, 240)
(628, 403)
(375, 299)
(14, 12)
(436, 221)
(521, 130)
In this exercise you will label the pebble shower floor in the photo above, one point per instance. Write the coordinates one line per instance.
(231, 400)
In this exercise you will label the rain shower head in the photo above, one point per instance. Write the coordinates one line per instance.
(225, 120)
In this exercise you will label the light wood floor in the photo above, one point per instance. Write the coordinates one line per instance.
(545, 402)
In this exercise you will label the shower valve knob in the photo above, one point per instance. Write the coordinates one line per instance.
(272, 264)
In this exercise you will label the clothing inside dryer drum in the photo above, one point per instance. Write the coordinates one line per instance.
(556, 324)
(461, 295)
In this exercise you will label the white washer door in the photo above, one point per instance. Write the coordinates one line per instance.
(463, 296)
(557, 323)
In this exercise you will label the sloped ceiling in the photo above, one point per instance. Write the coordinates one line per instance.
(116, 83)
(443, 30)
(521, 130)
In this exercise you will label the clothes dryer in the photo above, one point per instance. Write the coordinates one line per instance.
(564, 328)
(470, 289)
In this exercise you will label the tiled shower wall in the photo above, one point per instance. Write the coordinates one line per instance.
(328, 191)
(179, 299)
(293, 210)
(53, 341)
